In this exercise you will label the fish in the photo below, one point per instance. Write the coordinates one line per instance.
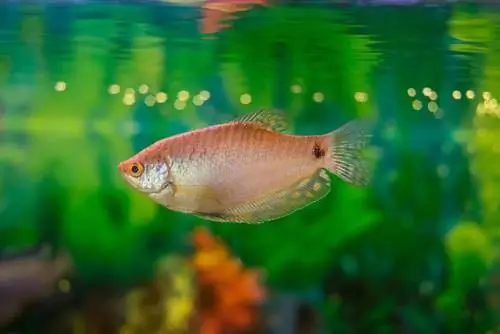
(28, 279)
(217, 14)
(250, 169)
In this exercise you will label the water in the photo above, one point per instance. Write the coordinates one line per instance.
(84, 85)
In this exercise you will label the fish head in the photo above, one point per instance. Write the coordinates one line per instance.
(147, 175)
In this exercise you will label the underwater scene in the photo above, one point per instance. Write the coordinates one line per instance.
(197, 166)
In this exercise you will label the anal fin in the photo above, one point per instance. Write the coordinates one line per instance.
(213, 216)
(281, 203)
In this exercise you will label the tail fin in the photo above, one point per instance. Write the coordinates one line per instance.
(346, 145)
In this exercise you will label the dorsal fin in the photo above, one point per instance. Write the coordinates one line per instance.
(271, 119)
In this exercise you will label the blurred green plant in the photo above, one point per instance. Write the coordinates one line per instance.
(469, 251)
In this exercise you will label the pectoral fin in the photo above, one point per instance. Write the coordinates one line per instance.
(277, 204)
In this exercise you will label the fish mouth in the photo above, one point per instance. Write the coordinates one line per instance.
(121, 168)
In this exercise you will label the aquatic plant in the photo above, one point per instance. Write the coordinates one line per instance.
(229, 294)
(473, 246)
(469, 252)
(165, 305)
(211, 291)
(288, 50)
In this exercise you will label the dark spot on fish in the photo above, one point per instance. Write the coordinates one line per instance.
(318, 151)
(135, 169)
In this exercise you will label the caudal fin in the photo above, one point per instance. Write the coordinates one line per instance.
(346, 159)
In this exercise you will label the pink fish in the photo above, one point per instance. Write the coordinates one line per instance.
(247, 170)
(217, 13)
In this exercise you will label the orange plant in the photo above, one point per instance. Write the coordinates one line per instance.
(229, 294)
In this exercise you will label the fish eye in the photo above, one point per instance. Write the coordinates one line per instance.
(136, 169)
